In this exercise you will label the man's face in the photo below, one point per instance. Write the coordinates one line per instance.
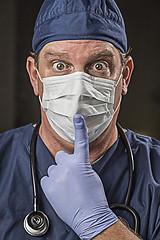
(97, 58)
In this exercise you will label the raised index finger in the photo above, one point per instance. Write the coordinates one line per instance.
(81, 146)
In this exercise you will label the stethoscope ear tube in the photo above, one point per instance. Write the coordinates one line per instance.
(130, 161)
(126, 206)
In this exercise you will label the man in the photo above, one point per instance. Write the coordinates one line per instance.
(79, 70)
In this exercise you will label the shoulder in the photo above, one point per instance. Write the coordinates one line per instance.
(146, 151)
(17, 137)
(138, 140)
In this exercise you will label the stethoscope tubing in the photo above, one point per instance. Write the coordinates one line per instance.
(131, 210)
(33, 164)
(126, 206)
(131, 163)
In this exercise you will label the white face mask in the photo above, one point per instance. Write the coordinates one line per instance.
(79, 92)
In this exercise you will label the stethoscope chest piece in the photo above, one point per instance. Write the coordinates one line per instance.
(36, 223)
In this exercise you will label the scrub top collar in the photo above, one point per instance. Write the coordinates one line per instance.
(45, 159)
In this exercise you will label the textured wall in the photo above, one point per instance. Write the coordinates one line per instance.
(7, 64)
(140, 109)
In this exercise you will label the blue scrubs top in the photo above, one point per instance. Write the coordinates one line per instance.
(16, 194)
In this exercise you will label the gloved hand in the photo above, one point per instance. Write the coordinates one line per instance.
(75, 191)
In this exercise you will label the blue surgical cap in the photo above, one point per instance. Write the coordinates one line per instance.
(79, 19)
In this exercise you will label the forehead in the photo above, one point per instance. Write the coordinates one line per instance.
(79, 47)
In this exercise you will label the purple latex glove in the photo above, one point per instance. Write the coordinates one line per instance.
(75, 191)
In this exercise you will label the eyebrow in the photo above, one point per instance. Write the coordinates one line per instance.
(93, 57)
(101, 54)
(56, 54)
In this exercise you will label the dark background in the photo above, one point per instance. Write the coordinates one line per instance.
(140, 109)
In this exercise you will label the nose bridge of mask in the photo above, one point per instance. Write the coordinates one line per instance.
(74, 93)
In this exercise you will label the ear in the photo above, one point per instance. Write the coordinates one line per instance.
(30, 65)
(127, 72)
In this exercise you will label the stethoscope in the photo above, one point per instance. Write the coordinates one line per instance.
(36, 223)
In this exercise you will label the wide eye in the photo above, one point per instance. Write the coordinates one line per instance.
(100, 66)
(60, 66)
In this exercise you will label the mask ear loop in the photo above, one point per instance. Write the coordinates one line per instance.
(118, 105)
(121, 95)
(40, 100)
(41, 81)
(116, 83)
(39, 75)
